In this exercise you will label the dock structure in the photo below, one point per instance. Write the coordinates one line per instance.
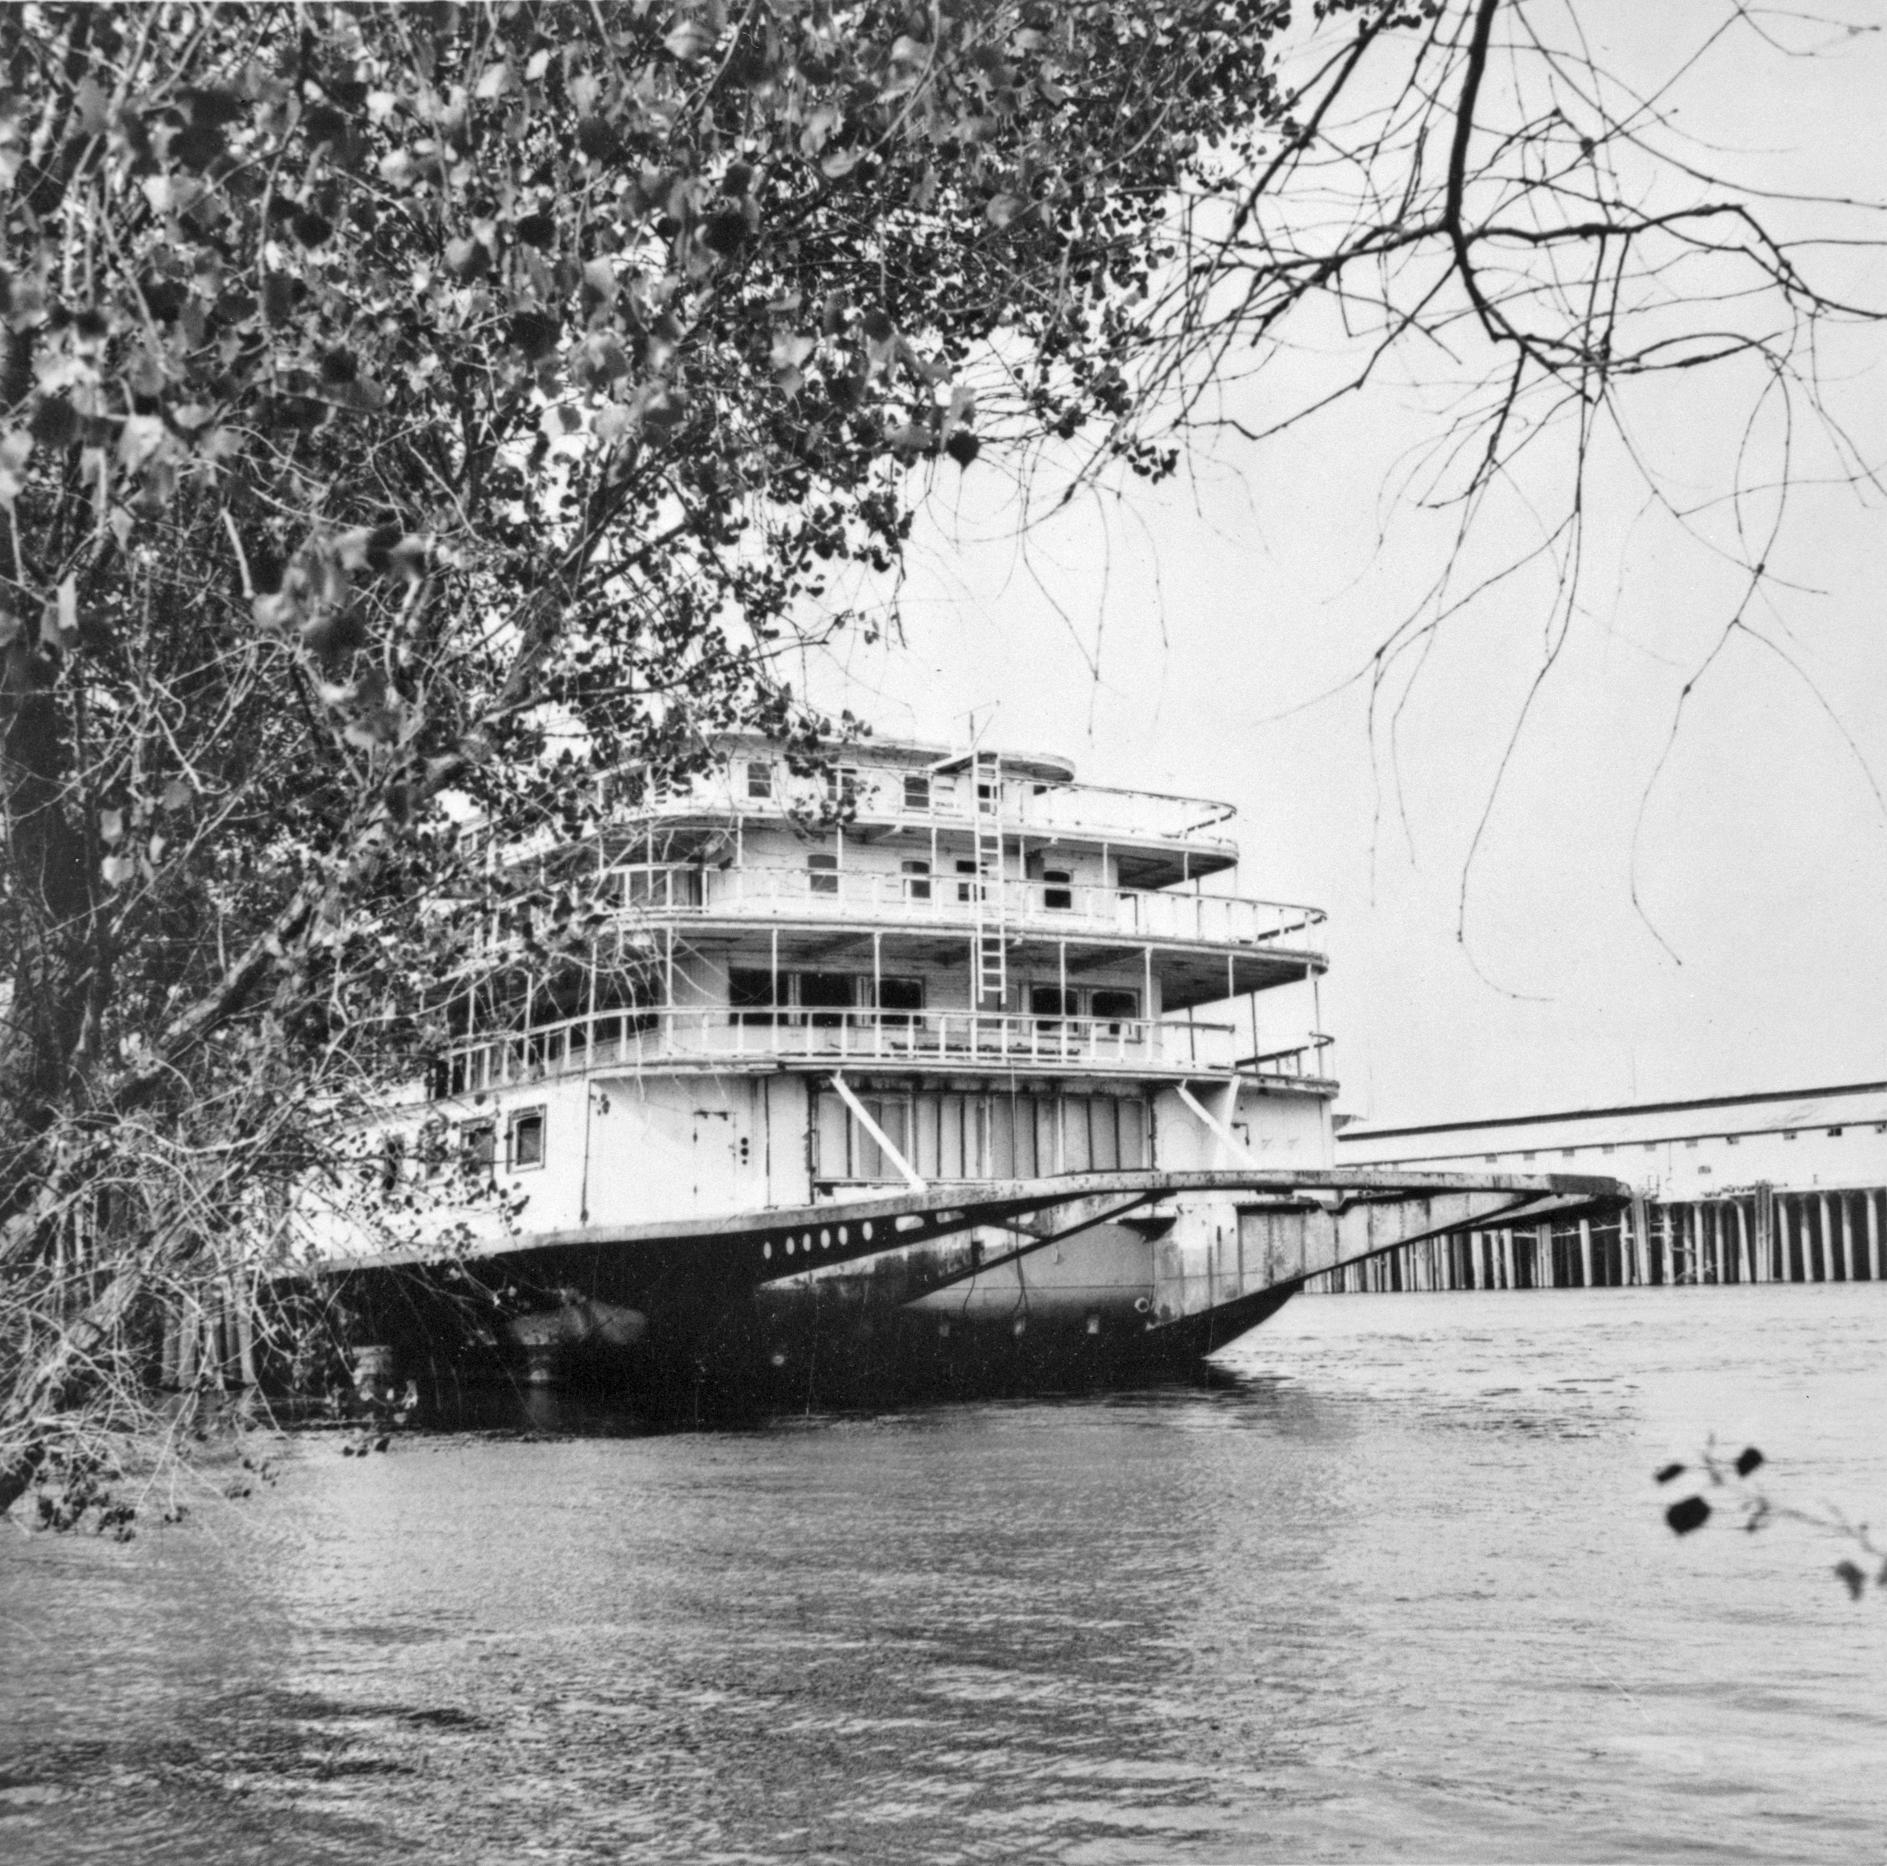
(1758, 1188)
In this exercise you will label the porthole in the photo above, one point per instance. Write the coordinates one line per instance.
(866, 1228)
(844, 1237)
(766, 1250)
(789, 1247)
(1142, 1304)
(825, 1240)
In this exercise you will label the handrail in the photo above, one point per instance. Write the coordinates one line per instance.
(713, 1033)
(1027, 803)
(1205, 919)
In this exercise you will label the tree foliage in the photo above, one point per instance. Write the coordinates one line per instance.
(410, 415)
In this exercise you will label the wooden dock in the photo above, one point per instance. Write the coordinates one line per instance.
(1761, 1234)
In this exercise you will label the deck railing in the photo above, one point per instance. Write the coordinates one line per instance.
(1025, 806)
(901, 900)
(635, 1038)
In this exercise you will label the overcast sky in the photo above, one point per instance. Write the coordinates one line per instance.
(1633, 929)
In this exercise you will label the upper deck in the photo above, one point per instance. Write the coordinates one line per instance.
(1153, 839)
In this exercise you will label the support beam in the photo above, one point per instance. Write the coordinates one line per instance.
(843, 1090)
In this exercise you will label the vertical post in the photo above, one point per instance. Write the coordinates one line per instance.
(1782, 1240)
(1873, 1236)
(1507, 1258)
(1745, 1269)
(1585, 1253)
(1827, 1252)
(1847, 1239)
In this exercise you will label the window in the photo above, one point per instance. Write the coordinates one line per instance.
(1051, 1001)
(967, 890)
(1056, 893)
(1788, 1133)
(1730, 1140)
(917, 790)
(1490, 1159)
(1834, 1133)
(759, 778)
(899, 999)
(525, 1146)
(823, 873)
(916, 880)
(1566, 1153)
(1114, 1005)
(826, 996)
(750, 997)
(988, 798)
(1526, 1156)
(1690, 1143)
(1608, 1147)
(1651, 1146)
(842, 783)
(478, 1142)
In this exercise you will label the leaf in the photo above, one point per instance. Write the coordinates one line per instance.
(111, 825)
(176, 795)
(1852, 1578)
(963, 447)
(1747, 1460)
(1691, 1513)
(1004, 209)
(689, 40)
(493, 81)
(1668, 1472)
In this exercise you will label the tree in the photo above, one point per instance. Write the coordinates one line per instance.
(412, 417)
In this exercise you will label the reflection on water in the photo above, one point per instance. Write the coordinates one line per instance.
(1397, 1590)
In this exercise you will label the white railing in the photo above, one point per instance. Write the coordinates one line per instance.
(716, 1033)
(1025, 806)
(791, 893)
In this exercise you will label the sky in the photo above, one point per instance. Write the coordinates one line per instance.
(1644, 892)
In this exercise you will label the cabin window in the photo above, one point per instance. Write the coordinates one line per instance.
(1051, 1001)
(826, 996)
(525, 1140)
(917, 790)
(1788, 1133)
(967, 890)
(1056, 893)
(759, 778)
(988, 798)
(750, 997)
(1690, 1143)
(823, 873)
(478, 1142)
(916, 880)
(900, 995)
(1730, 1140)
(1834, 1133)
(842, 783)
(1114, 1006)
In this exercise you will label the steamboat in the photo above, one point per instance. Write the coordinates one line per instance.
(929, 1071)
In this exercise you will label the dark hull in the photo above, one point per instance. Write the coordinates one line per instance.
(936, 1321)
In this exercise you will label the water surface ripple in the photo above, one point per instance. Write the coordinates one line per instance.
(1401, 1592)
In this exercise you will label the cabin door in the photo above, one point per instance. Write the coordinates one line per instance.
(712, 1158)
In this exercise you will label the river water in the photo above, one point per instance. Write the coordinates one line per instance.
(1399, 1589)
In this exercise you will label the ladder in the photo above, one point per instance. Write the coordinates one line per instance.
(989, 893)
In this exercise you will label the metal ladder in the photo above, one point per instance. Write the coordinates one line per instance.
(991, 896)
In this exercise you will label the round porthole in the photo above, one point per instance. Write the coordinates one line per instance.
(1142, 1304)
(789, 1247)
(843, 1236)
(766, 1250)
(825, 1240)
(866, 1228)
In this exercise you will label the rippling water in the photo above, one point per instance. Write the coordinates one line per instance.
(1401, 1591)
